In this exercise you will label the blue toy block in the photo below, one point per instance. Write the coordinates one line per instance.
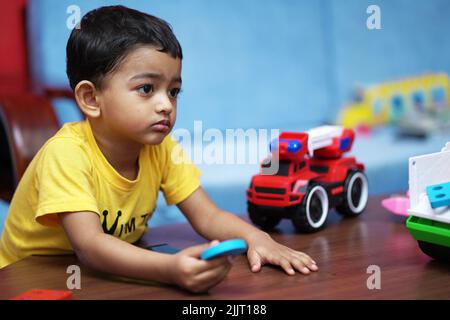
(232, 247)
(439, 195)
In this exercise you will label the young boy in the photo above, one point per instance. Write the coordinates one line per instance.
(93, 186)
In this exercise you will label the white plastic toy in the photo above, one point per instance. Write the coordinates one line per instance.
(430, 226)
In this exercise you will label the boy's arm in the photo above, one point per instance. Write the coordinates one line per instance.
(104, 252)
(213, 223)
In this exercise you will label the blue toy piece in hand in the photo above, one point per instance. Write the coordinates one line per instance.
(229, 247)
(439, 195)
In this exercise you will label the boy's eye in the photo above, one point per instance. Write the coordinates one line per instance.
(174, 92)
(146, 89)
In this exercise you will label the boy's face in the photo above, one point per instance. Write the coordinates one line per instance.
(140, 94)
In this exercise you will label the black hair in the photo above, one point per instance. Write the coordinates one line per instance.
(107, 34)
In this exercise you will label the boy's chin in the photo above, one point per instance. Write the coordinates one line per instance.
(154, 139)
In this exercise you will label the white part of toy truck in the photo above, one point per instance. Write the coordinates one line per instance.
(322, 137)
(424, 171)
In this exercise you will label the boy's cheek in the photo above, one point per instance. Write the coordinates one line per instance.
(172, 122)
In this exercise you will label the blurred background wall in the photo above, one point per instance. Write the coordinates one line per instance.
(269, 63)
(285, 64)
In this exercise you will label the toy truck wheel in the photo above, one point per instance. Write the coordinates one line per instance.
(356, 194)
(311, 214)
(261, 217)
(435, 251)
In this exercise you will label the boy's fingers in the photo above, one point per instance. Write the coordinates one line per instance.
(286, 265)
(307, 260)
(212, 277)
(254, 260)
(196, 251)
(210, 274)
(203, 266)
(214, 242)
(300, 266)
(310, 260)
(310, 264)
(217, 262)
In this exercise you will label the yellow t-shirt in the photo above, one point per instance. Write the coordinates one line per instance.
(71, 174)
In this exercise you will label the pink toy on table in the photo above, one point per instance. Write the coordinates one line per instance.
(398, 205)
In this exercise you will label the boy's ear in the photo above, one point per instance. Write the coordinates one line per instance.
(86, 96)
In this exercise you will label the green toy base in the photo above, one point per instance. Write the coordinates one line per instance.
(433, 237)
(429, 230)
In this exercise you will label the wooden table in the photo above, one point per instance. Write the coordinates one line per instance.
(343, 250)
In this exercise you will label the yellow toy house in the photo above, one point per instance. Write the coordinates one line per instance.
(389, 102)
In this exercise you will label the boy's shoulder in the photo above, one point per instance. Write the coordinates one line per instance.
(71, 138)
(74, 130)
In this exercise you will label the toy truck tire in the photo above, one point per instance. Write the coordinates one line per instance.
(311, 214)
(356, 194)
(261, 218)
(435, 251)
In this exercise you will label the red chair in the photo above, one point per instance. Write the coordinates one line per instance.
(28, 121)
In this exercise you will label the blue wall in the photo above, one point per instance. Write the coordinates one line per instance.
(271, 63)
(3, 212)
(247, 63)
(413, 39)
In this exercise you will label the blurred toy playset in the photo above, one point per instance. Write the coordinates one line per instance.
(417, 106)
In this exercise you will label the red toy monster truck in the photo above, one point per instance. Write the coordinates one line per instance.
(312, 177)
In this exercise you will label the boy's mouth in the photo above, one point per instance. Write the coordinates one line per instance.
(161, 126)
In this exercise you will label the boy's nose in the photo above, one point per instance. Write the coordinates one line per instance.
(164, 105)
(164, 108)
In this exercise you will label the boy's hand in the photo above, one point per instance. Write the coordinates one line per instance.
(263, 249)
(196, 275)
